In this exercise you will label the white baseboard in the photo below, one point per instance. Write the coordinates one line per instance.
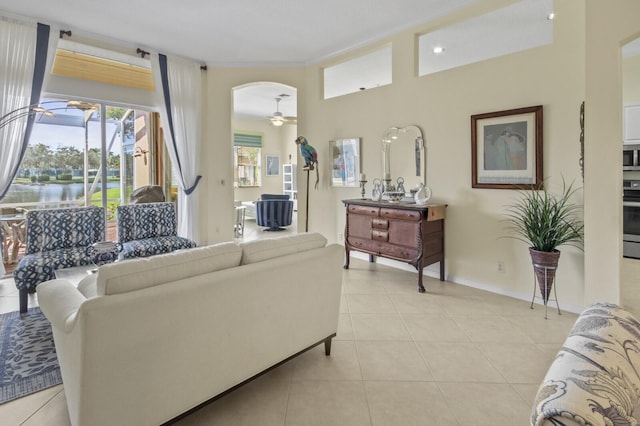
(434, 272)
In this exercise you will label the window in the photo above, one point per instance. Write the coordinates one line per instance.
(361, 73)
(91, 63)
(247, 153)
(519, 26)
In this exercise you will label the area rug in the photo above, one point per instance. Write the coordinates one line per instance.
(28, 360)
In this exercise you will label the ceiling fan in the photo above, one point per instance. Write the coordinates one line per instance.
(277, 119)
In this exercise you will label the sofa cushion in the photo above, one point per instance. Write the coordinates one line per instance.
(136, 274)
(152, 246)
(39, 267)
(152, 223)
(67, 229)
(260, 250)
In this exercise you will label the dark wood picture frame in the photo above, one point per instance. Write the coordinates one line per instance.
(506, 149)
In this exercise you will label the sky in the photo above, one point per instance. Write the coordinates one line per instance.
(70, 135)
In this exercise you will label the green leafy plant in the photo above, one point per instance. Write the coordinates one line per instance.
(545, 221)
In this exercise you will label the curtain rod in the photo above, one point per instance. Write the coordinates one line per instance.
(143, 53)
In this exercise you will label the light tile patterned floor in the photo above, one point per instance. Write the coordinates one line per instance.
(452, 356)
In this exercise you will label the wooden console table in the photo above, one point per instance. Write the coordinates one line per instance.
(399, 231)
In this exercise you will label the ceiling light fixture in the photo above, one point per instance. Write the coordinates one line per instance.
(551, 16)
(438, 49)
(277, 119)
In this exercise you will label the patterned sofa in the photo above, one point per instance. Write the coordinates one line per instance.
(595, 378)
(147, 229)
(56, 239)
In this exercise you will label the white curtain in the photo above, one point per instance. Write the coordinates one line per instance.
(24, 62)
(178, 85)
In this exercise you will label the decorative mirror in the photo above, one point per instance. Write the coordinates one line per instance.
(404, 155)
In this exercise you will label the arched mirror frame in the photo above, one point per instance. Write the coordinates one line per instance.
(404, 154)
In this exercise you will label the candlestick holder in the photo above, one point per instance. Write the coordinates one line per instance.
(388, 187)
(362, 190)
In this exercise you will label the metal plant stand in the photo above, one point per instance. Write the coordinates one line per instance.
(546, 269)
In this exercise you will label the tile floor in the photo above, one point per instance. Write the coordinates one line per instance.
(452, 356)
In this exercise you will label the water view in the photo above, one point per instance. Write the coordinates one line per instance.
(24, 193)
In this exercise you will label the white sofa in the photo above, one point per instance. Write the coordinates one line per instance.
(146, 340)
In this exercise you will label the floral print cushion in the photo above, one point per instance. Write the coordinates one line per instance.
(595, 378)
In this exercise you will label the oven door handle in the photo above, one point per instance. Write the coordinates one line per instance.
(631, 204)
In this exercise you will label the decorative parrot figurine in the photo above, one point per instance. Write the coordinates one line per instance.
(310, 156)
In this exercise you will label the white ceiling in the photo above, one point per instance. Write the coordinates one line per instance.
(239, 32)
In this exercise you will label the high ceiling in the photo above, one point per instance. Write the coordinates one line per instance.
(238, 32)
(249, 33)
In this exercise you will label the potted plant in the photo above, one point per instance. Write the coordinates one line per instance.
(546, 221)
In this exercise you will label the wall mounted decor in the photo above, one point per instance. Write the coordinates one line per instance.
(581, 161)
(506, 149)
(273, 165)
(345, 162)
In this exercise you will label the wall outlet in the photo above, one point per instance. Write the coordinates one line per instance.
(500, 266)
(339, 236)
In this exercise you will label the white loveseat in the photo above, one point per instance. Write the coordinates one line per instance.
(148, 339)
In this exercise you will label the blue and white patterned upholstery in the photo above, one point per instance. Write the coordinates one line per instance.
(148, 229)
(595, 377)
(56, 239)
(274, 211)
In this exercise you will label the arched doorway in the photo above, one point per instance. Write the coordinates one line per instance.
(264, 127)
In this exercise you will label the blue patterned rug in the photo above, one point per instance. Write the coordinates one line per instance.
(28, 360)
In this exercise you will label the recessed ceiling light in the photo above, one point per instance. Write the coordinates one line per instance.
(551, 16)
(438, 49)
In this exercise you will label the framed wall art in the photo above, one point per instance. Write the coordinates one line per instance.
(345, 162)
(273, 165)
(506, 149)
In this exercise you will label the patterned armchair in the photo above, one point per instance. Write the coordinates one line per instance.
(274, 211)
(595, 378)
(56, 239)
(148, 229)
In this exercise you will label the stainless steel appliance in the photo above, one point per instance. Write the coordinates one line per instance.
(630, 157)
(631, 218)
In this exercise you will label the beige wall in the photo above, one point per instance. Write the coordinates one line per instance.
(608, 28)
(441, 104)
(631, 80)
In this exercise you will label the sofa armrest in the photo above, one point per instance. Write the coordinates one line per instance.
(593, 379)
(60, 300)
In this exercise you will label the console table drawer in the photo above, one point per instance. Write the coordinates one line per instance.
(379, 235)
(364, 210)
(379, 223)
(400, 214)
(399, 252)
(363, 244)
